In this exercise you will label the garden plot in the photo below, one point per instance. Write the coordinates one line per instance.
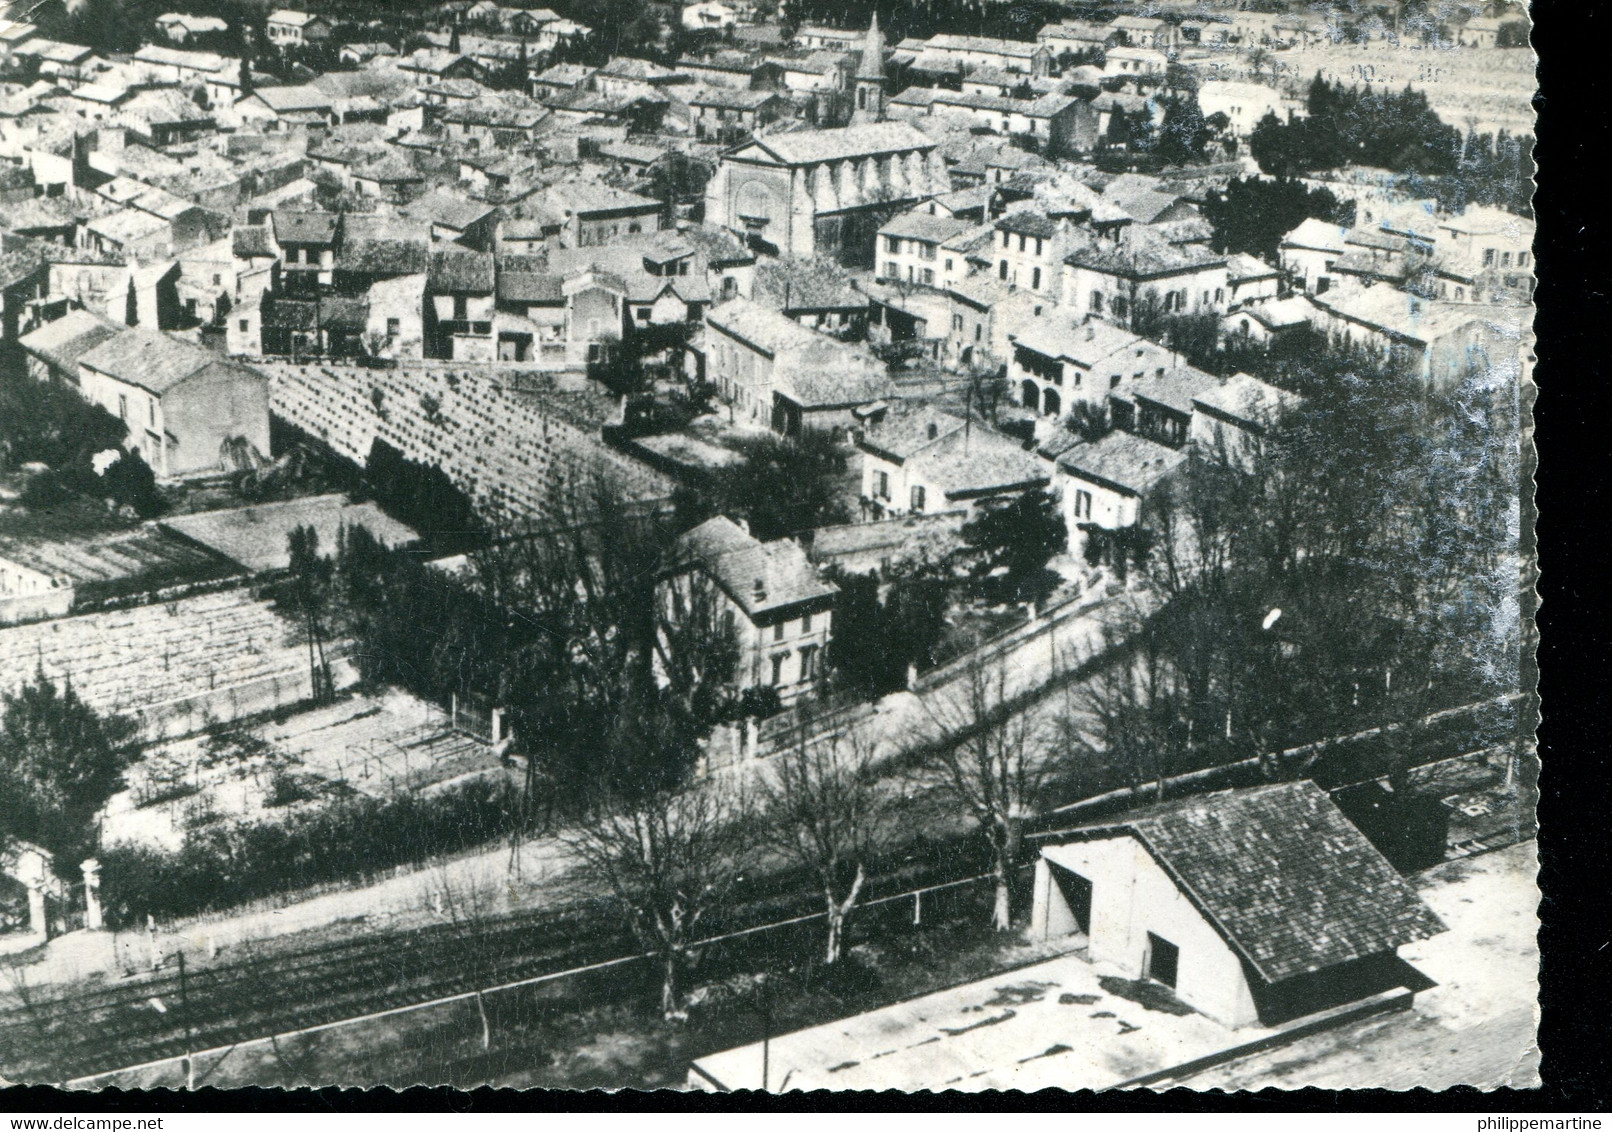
(382, 744)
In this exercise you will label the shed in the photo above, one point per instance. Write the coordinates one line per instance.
(1254, 906)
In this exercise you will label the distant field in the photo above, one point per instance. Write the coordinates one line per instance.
(1484, 90)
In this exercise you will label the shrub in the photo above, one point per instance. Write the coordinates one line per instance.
(222, 866)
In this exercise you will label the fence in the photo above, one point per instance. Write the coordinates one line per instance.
(717, 955)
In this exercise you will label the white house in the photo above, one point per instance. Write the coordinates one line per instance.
(709, 15)
(925, 460)
(1105, 483)
(1253, 906)
(1243, 104)
(181, 403)
(767, 594)
(1310, 253)
(289, 28)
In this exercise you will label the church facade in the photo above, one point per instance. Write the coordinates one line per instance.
(824, 192)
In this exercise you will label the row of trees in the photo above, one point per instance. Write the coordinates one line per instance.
(1399, 131)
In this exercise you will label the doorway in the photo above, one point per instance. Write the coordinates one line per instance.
(1076, 892)
(1163, 960)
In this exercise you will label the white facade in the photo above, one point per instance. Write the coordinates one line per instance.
(1134, 907)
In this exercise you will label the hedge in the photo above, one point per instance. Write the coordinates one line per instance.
(357, 839)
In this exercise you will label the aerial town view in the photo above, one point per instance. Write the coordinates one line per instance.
(767, 544)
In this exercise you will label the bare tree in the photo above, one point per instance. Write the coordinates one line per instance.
(469, 904)
(668, 860)
(990, 760)
(827, 814)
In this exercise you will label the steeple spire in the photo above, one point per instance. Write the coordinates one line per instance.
(872, 65)
(870, 76)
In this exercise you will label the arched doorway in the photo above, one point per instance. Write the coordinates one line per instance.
(1030, 396)
(1051, 403)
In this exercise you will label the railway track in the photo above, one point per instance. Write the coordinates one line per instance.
(253, 993)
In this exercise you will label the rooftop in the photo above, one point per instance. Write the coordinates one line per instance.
(1289, 881)
(257, 537)
(808, 147)
(69, 338)
(152, 360)
(1123, 461)
(759, 577)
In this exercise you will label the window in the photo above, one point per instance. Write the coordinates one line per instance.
(1522, 260)
(881, 484)
(1035, 279)
(151, 413)
(242, 325)
(891, 271)
(1097, 302)
(1005, 238)
(1220, 295)
(643, 314)
(892, 244)
(218, 279)
(808, 662)
(1082, 504)
(1038, 245)
(1505, 259)
(1113, 381)
(778, 669)
(929, 277)
(1021, 241)
(957, 324)
(778, 631)
(979, 331)
(1488, 257)
(918, 498)
(805, 622)
(461, 308)
(948, 265)
(1163, 960)
(1001, 270)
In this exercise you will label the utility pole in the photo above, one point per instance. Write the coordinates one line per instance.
(184, 1010)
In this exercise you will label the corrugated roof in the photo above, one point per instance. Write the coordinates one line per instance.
(1289, 881)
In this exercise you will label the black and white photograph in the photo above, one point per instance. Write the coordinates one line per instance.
(768, 546)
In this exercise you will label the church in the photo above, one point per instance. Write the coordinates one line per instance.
(828, 192)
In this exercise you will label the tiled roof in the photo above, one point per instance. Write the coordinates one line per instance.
(150, 359)
(461, 270)
(1140, 253)
(444, 208)
(290, 99)
(906, 430)
(1176, 388)
(68, 338)
(1317, 234)
(1284, 876)
(918, 224)
(758, 576)
(806, 147)
(1084, 343)
(1246, 398)
(305, 227)
(798, 284)
(728, 99)
(1123, 460)
(584, 197)
(830, 374)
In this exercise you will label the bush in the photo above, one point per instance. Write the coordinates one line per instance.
(222, 866)
(130, 482)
